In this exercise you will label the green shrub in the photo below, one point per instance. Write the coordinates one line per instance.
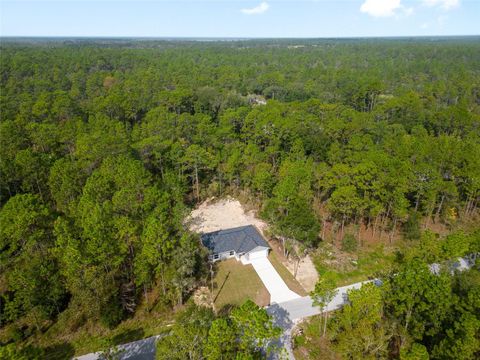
(14, 333)
(411, 228)
(112, 313)
(15, 352)
(349, 243)
(416, 352)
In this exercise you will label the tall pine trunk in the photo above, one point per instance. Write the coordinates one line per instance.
(417, 202)
(359, 231)
(325, 322)
(392, 233)
(437, 214)
(197, 188)
(375, 226)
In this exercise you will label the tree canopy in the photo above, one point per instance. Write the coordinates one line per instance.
(105, 145)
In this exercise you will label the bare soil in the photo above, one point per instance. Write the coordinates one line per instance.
(307, 274)
(213, 215)
(216, 214)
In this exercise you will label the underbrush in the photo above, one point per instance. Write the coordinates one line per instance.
(346, 268)
(308, 342)
(72, 335)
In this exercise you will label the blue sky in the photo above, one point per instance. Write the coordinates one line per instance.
(238, 18)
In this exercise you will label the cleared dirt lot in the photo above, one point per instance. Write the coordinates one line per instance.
(226, 213)
(306, 274)
(215, 214)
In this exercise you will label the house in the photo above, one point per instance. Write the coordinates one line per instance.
(244, 243)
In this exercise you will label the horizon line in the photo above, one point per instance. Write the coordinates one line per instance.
(148, 37)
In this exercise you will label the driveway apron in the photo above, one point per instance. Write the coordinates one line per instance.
(279, 291)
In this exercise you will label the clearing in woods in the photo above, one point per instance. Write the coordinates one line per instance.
(215, 214)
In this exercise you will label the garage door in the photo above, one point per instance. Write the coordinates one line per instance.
(261, 253)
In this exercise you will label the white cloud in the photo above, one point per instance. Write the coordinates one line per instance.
(381, 8)
(444, 4)
(259, 9)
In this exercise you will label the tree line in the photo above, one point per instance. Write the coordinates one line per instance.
(418, 312)
(104, 147)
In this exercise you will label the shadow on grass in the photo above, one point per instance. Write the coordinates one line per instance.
(59, 351)
(225, 310)
(221, 287)
(128, 336)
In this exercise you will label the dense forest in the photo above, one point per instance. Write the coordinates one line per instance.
(105, 145)
(416, 314)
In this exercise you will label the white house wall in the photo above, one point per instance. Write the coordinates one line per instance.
(222, 256)
(257, 253)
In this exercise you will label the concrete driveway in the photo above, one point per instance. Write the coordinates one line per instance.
(279, 291)
(287, 314)
(137, 350)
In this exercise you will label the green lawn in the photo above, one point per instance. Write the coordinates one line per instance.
(234, 283)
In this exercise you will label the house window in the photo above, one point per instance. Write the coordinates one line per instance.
(215, 256)
(232, 252)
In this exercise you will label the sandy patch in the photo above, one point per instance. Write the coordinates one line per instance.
(306, 275)
(213, 215)
(217, 214)
(203, 297)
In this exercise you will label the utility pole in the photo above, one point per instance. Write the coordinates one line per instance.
(211, 282)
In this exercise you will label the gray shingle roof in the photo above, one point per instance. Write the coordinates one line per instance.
(241, 239)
